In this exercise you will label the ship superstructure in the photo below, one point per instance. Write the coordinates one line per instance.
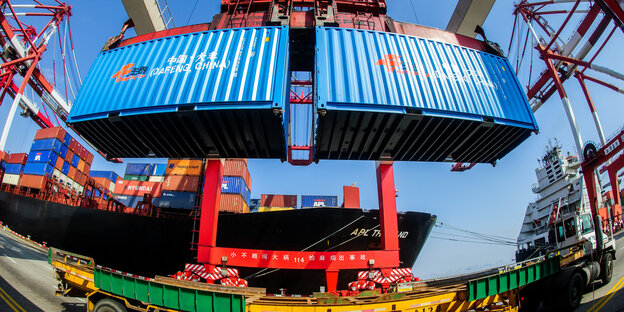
(560, 190)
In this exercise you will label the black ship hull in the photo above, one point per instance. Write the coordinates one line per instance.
(159, 246)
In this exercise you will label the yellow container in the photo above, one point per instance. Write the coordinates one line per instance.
(184, 167)
(267, 209)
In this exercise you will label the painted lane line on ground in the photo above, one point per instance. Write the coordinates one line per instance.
(14, 305)
(10, 258)
(8, 303)
(598, 305)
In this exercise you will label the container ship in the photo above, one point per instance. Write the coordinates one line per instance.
(143, 222)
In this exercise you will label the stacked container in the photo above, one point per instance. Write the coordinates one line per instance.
(157, 173)
(235, 186)
(137, 172)
(272, 202)
(317, 201)
(351, 197)
(106, 179)
(3, 159)
(131, 192)
(54, 154)
(180, 184)
(14, 168)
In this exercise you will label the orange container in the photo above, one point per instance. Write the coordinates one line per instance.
(69, 156)
(184, 167)
(351, 197)
(33, 181)
(234, 167)
(181, 183)
(233, 203)
(47, 133)
(4, 156)
(72, 173)
(59, 163)
(104, 182)
(81, 165)
(272, 200)
(138, 188)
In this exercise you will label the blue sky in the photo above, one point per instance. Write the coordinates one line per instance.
(485, 199)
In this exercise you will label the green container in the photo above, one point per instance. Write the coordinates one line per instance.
(168, 296)
(505, 281)
(131, 177)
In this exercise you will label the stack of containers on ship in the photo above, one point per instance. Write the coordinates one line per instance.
(55, 155)
(105, 179)
(14, 168)
(181, 183)
(3, 162)
(235, 186)
(136, 183)
(274, 202)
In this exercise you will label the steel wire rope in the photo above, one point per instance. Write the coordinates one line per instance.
(464, 236)
(469, 241)
(489, 237)
(67, 77)
(192, 11)
(259, 273)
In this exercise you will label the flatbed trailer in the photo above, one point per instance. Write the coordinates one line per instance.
(110, 290)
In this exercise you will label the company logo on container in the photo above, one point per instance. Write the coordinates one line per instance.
(130, 72)
(139, 188)
(392, 63)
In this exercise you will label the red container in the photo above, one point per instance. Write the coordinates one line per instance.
(233, 203)
(72, 173)
(17, 158)
(59, 163)
(33, 181)
(234, 167)
(78, 177)
(47, 133)
(89, 159)
(138, 188)
(272, 200)
(83, 153)
(73, 145)
(351, 197)
(69, 156)
(4, 156)
(181, 183)
(87, 168)
(83, 179)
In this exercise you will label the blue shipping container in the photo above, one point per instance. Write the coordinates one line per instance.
(313, 201)
(111, 175)
(158, 170)
(138, 169)
(65, 169)
(178, 200)
(3, 164)
(389, 89)
(14, 169)
(235, 185)
(40, 169)
(132, 201)
(49, 157)
(233, 75)
(75, 160)
(380, 71)
(67, 139)
(63, 150)
(50, 144)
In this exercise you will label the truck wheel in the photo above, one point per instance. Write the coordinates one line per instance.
(573, 294)
(109, 305)
(607, 268)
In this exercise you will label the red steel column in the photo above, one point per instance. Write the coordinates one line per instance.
(210, 199)
(387, 206)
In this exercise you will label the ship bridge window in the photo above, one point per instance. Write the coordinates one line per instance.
(588, 226)
(559, 230)
(570, 228)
